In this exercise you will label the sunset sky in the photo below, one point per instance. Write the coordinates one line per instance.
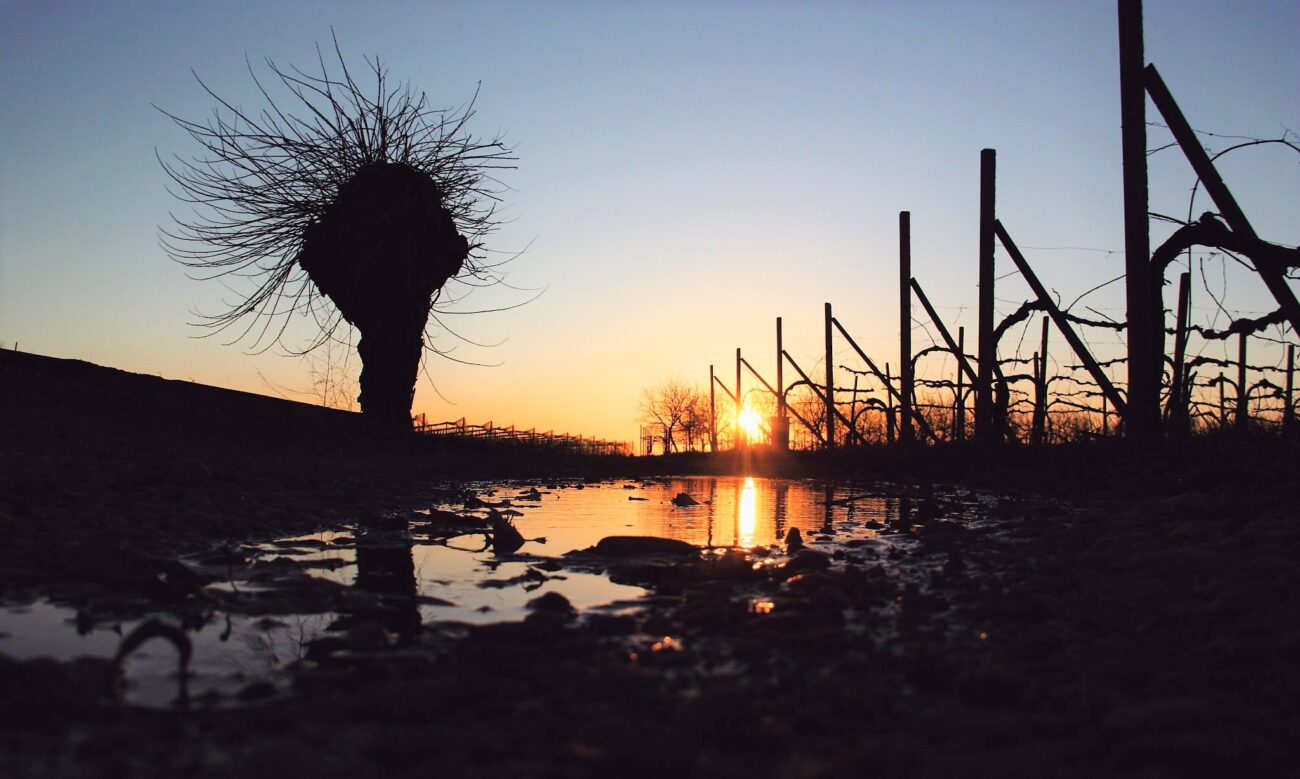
(687, 172)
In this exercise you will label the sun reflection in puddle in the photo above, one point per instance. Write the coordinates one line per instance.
(451, 578)
(747, 513)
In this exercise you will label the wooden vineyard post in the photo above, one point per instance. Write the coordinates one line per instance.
(781, 424)
(853, 407)
(1177, 384)
(906, 378)
(987, 349)
(816, 391)
(1271, 271)
(1145, 328)
(1223, 407)
(1243, 392)
(892, 393)
(959, 416)
(962, 364)
(1039, 433)
(736, 442)
(889, 412)
(1288, 413)
(1062, 323)
(1035, 430)
(830, 381)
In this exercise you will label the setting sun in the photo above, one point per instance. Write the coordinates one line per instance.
(749, 421)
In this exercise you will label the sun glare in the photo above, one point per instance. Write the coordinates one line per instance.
(749, 422)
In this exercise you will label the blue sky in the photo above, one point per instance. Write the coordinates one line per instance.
(687, 171)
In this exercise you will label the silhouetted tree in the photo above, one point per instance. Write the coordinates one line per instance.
(696, 423)
(351, 202)
(672, 406)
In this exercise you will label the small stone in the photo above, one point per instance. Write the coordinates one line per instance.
(642, 546)
(552, 602)
(682, 499)
(793, 540)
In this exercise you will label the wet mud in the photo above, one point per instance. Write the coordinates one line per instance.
(1080, 613)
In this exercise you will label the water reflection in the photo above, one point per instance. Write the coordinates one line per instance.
(747, 514)
(386, 567)
(733, 511)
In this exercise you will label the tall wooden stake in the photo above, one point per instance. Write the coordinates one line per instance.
(1039, 433)
(830, 382)
(736, 443)
(781, 425)
(890, 418)
(1223, 406)
(1288, 413)
(1243, 392)
(984, 422)
(1177, 388)
(959, 420)
(1142, 416)
(853, 407)
(1035, 429)
(906, 378)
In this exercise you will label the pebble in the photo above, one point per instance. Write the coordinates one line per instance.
(552, 602)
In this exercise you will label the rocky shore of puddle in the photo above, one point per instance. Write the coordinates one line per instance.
(1117, 610)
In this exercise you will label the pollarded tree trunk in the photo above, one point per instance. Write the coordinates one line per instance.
(390, 364)
(381, 250)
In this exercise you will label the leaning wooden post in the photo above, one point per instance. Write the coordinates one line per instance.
(830, 382)
(780, 425)
(1062, 323)
(962, 363)
(987, 348)
(1288, 413)
(959, 418)
(713, 413)
(906, 377)
(1145, 328)
(1270, 271)
(1243, 393)
(921, 424)
(1177, 389)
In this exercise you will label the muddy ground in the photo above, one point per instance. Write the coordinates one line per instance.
(1122, 612)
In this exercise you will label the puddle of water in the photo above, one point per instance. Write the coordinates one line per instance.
(228, 655)
(453, 579)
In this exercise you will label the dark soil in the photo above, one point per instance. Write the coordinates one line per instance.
(1125, 611)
